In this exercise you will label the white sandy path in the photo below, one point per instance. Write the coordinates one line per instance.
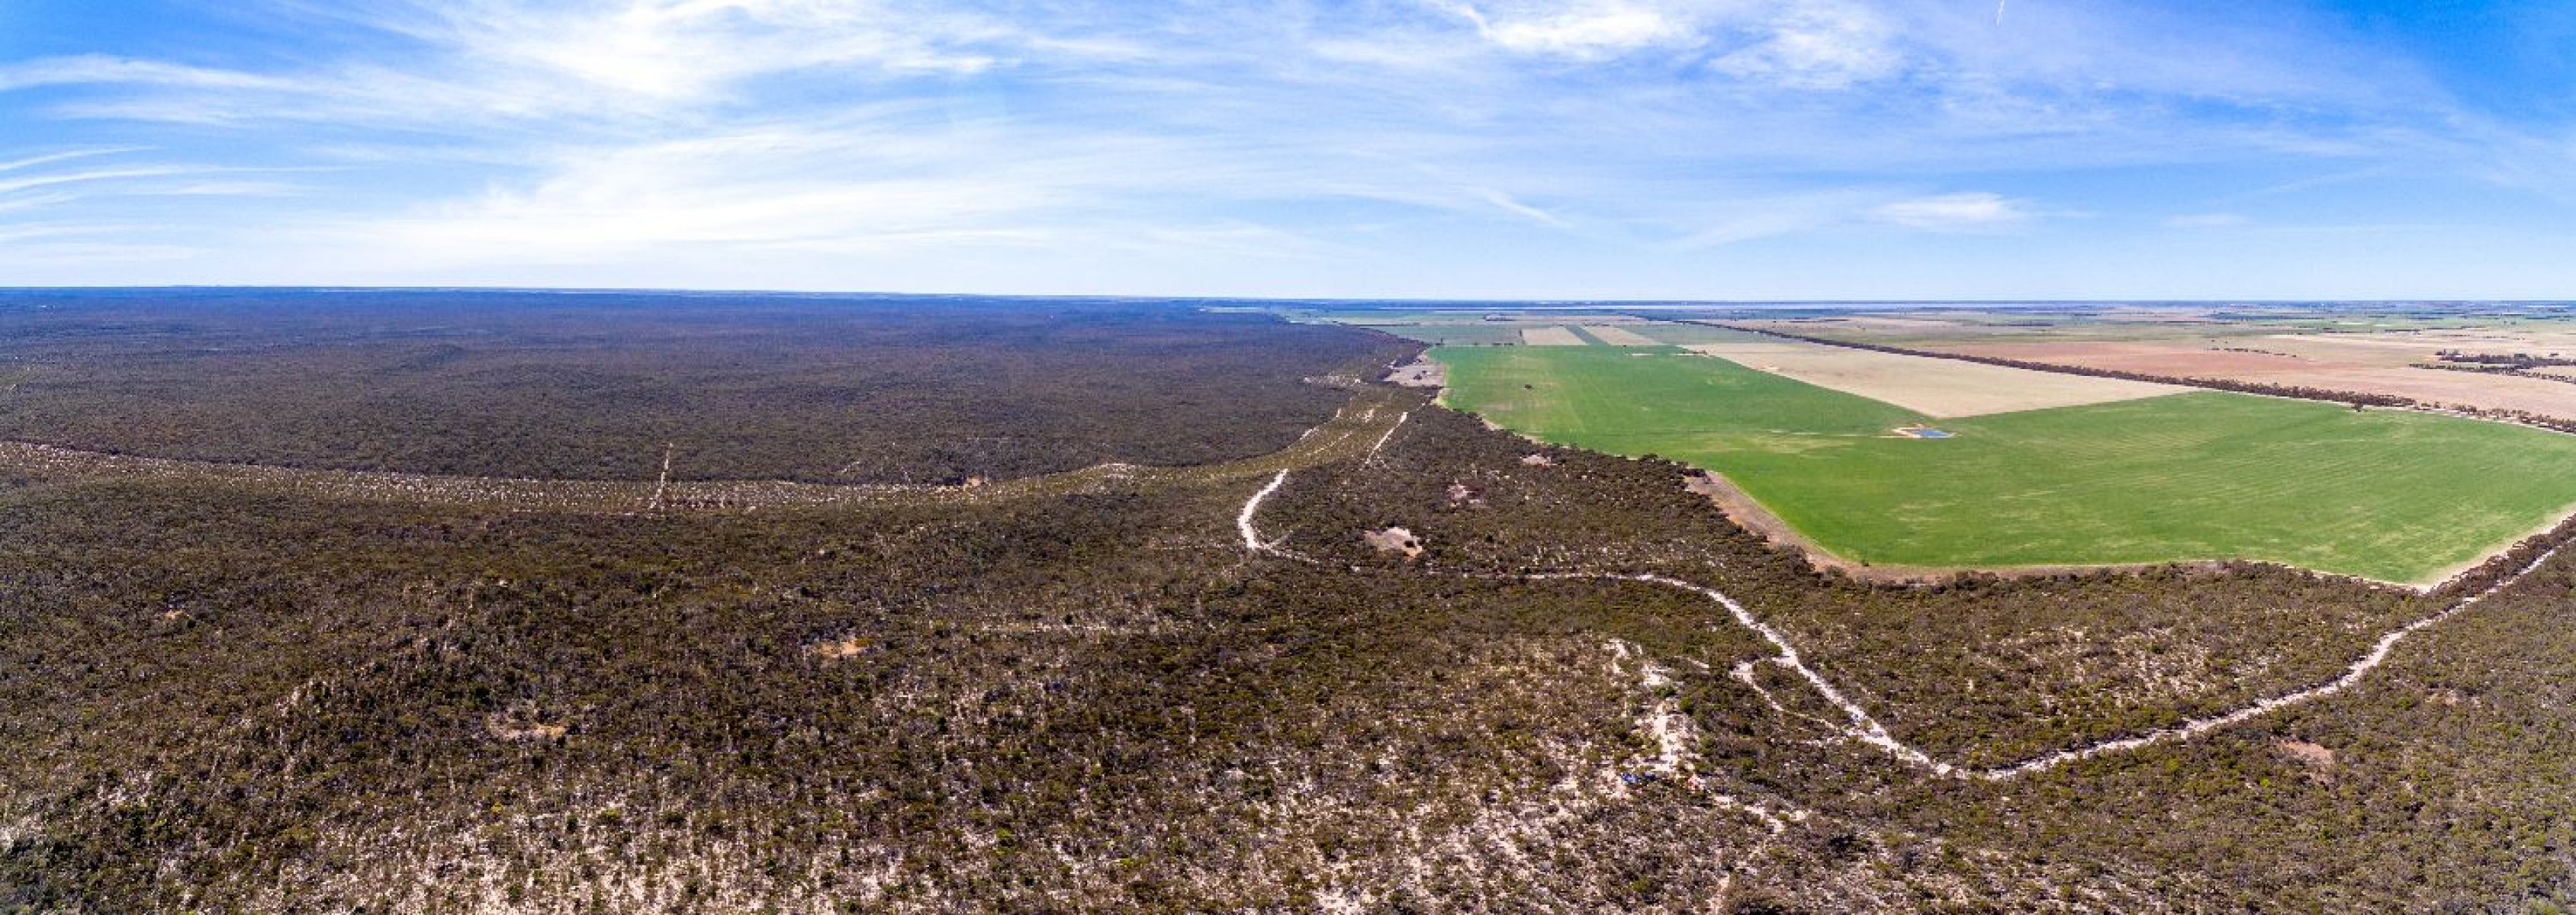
(1550, 336)
(1619, 336)
(1864, 728)
(1932, 387)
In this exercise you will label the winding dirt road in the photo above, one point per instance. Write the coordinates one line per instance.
(1864, 728)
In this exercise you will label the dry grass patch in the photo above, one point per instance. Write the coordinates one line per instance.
(1619, 336)
(1550, 335)
(1932, 387)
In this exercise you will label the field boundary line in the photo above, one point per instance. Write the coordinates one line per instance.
(2354, 398)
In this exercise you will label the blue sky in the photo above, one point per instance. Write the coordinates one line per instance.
(1706, 149)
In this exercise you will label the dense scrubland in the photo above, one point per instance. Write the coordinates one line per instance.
(226, 698)
(601, 385)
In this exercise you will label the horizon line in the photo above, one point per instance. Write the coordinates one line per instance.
(1563, 303)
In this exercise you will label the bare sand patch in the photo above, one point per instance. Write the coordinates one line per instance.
(2435, 387)
(1394, 540)
(1422, 372)
(522, 723)
(2310, 753)
(1619, 336)
(1927, 385)
(850, 647)
(1550, 336)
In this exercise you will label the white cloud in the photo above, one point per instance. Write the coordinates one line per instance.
(92, 68)
(11, 185)
(629, 134)
(1965, 212)
(1818, 45)
(479, 63)
(51, 158)
(1583, 29)
(693, 50)
(1511, 205)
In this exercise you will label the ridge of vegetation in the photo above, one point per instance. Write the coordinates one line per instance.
(606, 386)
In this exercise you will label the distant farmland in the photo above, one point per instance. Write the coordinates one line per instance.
(2388, 495)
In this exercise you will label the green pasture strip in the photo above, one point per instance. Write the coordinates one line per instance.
(2389, 495)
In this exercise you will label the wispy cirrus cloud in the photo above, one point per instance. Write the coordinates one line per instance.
(87, 69)
(1964, 212)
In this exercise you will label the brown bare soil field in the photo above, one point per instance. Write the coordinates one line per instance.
(1619, 336)
(1886, 321)
(2349, 350)
(2430, 386)
(1550, 336)
(2155, 358)
(1932, 387)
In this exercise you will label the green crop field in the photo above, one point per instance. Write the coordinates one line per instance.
(2388, 495)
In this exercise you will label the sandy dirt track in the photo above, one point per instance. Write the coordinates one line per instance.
(1861, 727)
(1932, 387)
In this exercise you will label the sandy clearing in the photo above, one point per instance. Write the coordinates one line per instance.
(2313, 754)
(1932, 387)
(847, 647)
(1422, 372)
(1619, 336)
(2429, 386)
(1550, 336)
(1394, 540)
